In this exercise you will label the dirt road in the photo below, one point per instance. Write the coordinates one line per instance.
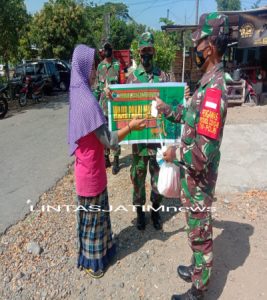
(145, 267)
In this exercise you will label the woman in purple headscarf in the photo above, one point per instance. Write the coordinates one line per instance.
(88, 135)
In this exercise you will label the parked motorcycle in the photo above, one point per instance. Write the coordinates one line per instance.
(33, 88)
(239, 86)
(10, 91)
(250, 94)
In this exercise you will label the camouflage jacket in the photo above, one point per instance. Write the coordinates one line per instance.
(139, 75)
(199, 153)
(107, 73)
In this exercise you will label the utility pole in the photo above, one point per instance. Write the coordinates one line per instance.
(107, 25)
(197, 7)
(168, 12)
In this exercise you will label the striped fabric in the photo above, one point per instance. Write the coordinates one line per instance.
(95, 245)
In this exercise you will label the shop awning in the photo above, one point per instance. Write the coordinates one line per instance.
(247, 28)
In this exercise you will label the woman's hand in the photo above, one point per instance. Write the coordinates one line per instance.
(187, 92)
(170, 154)
(161, 106)
(108, 93)
(134, 124)
(137, 124)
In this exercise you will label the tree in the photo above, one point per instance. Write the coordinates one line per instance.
(166, 21)
(176, 38)
(58, 27)
(13, 18)
(165, 50)
(61, 24)
(226, 5)
(123, 28)
(25, 49)
(121, 34)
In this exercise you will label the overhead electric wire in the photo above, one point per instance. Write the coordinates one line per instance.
(160, 5)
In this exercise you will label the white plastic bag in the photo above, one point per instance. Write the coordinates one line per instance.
(169, 180)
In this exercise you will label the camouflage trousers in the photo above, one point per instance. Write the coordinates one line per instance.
(138, 176)
(199, 229)
(116, 152)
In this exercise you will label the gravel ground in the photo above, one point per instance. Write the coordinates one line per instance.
(145, 266)
(247, 114)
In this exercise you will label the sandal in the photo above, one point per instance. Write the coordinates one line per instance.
(96, 275)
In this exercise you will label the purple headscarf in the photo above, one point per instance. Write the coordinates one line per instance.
(85, 113)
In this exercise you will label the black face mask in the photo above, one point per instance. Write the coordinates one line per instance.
(199, 58)
(147, 60)
(108, 52)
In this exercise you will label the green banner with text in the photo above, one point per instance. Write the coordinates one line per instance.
(135, 101)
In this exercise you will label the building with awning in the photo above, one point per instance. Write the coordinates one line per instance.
(247, 49)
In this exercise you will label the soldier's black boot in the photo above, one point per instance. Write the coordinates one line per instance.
(185, 272)
(107, 161)
(155, 216)
(141, 219)
(192, 294)
(116, 165)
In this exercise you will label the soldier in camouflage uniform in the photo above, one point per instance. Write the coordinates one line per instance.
(199, 153)
(107, 73)
(144, 154)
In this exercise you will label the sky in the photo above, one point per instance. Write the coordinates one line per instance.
(149, 12)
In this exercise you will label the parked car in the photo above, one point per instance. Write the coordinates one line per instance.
(63, 69)
(55, 73)
(43, 68)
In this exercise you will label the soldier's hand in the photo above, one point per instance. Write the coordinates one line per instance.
(170, 154)
(137, 124)
(187, 92)
(161, 106)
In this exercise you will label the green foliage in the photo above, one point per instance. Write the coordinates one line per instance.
(165, 50)
(166, 21)
(122, 27)
(227, 5)
(178, 38)
(13, 18)
(58, 27)
(61, 24)
(121, 35)
(25, 50)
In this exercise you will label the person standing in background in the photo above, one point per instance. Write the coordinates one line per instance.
(145, 154)
(108, 72)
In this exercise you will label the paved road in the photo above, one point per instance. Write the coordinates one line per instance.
(33, 156)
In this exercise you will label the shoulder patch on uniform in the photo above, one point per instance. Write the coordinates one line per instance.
(210, 115)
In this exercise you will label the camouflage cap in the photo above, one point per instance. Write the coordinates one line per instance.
(211, 25)
(146, 40)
